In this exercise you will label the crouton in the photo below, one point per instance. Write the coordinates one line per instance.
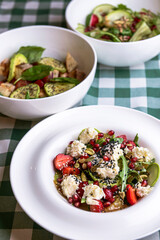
(6, 89)
(71, 63)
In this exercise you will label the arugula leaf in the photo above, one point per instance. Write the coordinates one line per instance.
(136, 140)
(124, 173)
(66, 79)
(32, 53)
(36, 72)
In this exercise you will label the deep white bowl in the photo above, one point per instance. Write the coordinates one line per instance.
(57, 41)
(111, 53)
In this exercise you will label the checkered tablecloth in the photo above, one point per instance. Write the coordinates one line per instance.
(136, 87)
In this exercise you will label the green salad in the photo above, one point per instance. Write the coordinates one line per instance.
(120, 24)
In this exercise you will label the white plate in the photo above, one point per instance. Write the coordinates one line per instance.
(32, 174)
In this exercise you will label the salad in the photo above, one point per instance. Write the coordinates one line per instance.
(120, 24)
(27, 75)
(102, 172)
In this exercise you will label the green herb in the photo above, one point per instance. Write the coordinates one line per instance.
(90, 182)
(83, 200)
(101, 141)
(36, 72)
(136, 140)
(91, 175)
(124, 173)
(98, 34)
(120, 140)
(27, 95)
(57, 175)
(32, 53)
(88, 19)
(123, 7)
(66, 79)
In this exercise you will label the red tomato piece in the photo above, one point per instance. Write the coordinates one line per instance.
(131, 195)
(21, 83)
(40, 83)
(61, 161)
(70, 170)
(98, 207)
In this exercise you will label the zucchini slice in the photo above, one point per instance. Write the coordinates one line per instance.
(32, 90)
(153, 171)
(141, 32)
(56, 64)
(116, 15)
(52, 89)
(101, 9)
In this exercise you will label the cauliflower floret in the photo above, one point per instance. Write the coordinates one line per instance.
(69, 185)
(93, 193)
(141, 152)
(110, 171)
(76, 149)
(88, 134)
(143, 191)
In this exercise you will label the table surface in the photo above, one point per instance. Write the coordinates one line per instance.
(135, 87)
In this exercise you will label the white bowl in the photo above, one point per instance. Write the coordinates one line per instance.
(41, 200)
(111, 53)
(57, 41)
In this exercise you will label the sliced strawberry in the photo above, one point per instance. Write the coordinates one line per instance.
(61, 161)
(70, 170)
(123, 136)
(98, 207)
(131, 195)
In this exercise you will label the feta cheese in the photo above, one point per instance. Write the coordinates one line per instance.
(143, 191)
(141, 152)
(93, 193)
(88, 134)
(76, 149)
(69, 185)
(117, 152)
(126, 150)
(109, 172)
(112, 150)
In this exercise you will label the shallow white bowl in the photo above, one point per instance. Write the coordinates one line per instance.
(111, 53)
(35, 191)
(57, 41)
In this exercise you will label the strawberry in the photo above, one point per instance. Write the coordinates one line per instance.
(61, 161)
(70, 170)
(97, 208)
(131, 195)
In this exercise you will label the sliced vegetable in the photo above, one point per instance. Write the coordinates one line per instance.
(54, 63)
(153, 171)
(123, 173)
(52, 89)
(32, 90)
(32, 53)
(116, 15)
(15, 60)
(102, 9)
(92, 20)
(131, 195)
(143, 31)
(66, 79)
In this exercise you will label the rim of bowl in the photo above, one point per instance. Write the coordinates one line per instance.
(61, 29)
(68, 9)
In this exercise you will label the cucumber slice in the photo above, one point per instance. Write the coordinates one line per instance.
(101, 9)
(143, 31)
(116, 15)
(56, 64)
(15, 60)
(52, 89)
(32, 90)
(153, 171)
(66, 79)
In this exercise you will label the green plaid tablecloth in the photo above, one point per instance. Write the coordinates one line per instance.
(136, 87)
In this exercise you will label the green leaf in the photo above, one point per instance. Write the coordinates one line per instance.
(88, 19)
(57, 175)
(136, 140)
(120, 140)
(32, 53)
(101, 141)
(83, 200)
(80, 28)
(27, 95)
(124, 7)
(90, 182)
(98, 34)
(36, 72)
(66, 79)
(124, 173)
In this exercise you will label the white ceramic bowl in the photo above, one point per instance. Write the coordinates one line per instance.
(57, 41)
(111, 53)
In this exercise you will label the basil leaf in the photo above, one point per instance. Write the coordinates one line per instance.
(136, 140)
(32, 53)
(124, 173)
(66, 79)
(36, 72)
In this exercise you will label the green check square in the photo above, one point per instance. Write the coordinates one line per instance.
(6, 220)
(41, 234)
(122, 93)
(22, 221)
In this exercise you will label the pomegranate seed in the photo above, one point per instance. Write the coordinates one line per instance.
(77, 204)
(71, 142)
(88, 29)
(106, 204)
(111, 133)
(75, 198)
(96, 183)
(104, 143)
(71, 163)
(59, 180)
(100, 135)
(144, 183)
(107, 140)
(45, 79)
(92, 142)
(134, 159)
(114, 188)
(86, 156)
(95, 149)
(105, 158)
(122, 146)
(106, 37)
(131, 165)
(108, 194)
(89, 164)
(70, 200)
(96, 145)
(130, 144)
(111, 200)
(40, 83)
(80, 192)
(143, 13)
(132, 28)
(83, 184)
(153, 27)
(137, 20)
